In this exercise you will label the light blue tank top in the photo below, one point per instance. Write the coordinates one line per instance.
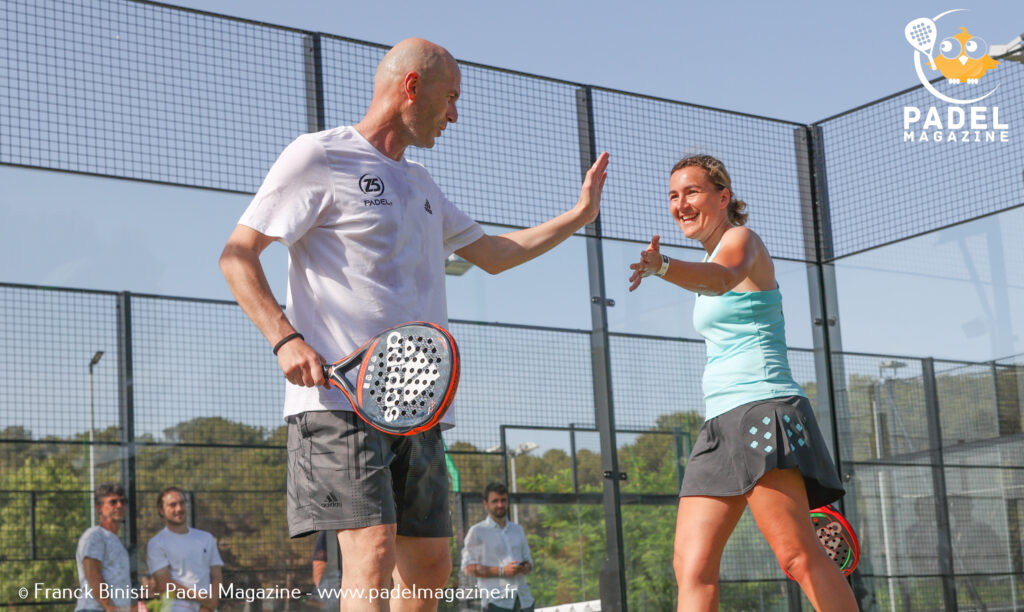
(745, 336)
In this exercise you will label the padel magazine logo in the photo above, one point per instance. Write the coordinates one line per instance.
(943, 48)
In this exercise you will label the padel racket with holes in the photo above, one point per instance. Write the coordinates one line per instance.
(406, 377)
(836, 537)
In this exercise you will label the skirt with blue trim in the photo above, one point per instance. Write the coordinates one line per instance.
(735, 449)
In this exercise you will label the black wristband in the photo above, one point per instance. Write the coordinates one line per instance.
(286, 340)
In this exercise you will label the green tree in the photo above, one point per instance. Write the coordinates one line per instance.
(59, 521)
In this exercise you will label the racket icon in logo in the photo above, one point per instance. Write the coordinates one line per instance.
(920, 33)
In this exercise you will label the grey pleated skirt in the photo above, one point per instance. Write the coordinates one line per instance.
(734, 450)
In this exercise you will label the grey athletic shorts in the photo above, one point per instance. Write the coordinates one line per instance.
(735, 449)
(344, 474)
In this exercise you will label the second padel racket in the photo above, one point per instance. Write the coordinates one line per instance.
(406, 377)
(837, 538)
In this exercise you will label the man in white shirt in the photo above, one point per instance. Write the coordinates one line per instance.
(104, 571)
(497, 553)
(184, 560)
(367, 232)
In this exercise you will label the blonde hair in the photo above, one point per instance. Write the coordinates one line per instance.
(720, 179)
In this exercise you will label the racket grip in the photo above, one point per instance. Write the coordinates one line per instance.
(327, 371)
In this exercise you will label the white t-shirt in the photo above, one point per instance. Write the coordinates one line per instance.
(189, 557)
(488, 543)
(104, 546)
(367, 237)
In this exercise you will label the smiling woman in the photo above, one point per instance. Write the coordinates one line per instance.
(760, 444)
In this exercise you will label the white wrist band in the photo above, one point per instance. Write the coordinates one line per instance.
(664, 266)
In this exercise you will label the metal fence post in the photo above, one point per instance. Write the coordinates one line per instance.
(504, 455)
(315, 117)
(677, 436)
(945, 540)
(1006, 379)
(613, 571)
(32, 525)
(572, 455)
(821, 277)
(190, 496)
(126, 414)
(830, 372)
(793, 601)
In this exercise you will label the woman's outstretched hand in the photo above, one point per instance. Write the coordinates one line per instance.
(650, 262)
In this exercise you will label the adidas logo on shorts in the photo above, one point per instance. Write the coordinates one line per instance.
(331, 501)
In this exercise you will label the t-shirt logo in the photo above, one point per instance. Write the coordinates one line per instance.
(371, 185)
(426, 207)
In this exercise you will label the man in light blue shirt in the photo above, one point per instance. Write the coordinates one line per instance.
(497, 553)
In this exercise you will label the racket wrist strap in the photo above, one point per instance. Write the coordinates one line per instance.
(286, 340)
(664, 266)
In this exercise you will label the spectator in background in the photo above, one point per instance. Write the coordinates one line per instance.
(977, 546)
(497, 553)
(183, 559)
(102, 558)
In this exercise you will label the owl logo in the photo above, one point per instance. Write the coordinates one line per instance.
(963, 58)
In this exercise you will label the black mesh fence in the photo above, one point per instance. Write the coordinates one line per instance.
(932, 451)
(50, 339)
(517, 376)
(148, 92)
(151, 390)
(648, 136)
(882, 416)
(202, 375)
(206, 414)
(883, 188)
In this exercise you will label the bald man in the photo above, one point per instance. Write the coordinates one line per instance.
(367, 232)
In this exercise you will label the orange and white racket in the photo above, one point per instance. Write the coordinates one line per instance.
(405, 379)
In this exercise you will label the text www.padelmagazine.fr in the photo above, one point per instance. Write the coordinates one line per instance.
(449, 594)
(42, 592)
